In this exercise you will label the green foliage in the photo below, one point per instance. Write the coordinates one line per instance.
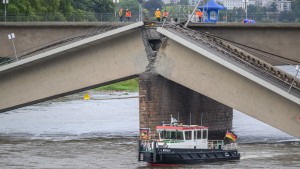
(55, 10)
(133, 5)
(184, 2)
(152, 5)
(286, 17)
(128, 85)
(273, 7)
(296, 9)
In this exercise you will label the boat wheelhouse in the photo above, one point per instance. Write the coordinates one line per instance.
(181, 144)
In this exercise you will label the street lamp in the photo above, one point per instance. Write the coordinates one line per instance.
(11, 36)
(5, 2)
(246, 9)
(141, 9)
(116, 2)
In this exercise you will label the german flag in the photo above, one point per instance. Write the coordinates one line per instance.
(231, 136)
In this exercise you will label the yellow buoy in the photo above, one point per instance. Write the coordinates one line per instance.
(86, 97)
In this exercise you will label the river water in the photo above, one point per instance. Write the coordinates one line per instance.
(73, 133)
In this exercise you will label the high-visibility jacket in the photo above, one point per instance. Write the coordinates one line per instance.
(128, 14)
(165, 14)
(199, 13)
(157, 14)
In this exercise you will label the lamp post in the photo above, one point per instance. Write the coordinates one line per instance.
(141, 9)
(5, 2)
(11, 36)
(116, 2)
(246, 9)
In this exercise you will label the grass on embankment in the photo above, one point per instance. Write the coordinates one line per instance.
(131, 85)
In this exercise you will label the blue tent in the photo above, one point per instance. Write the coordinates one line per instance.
(214, 7)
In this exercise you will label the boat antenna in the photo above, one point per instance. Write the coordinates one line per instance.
(201, 117)
(178, 116)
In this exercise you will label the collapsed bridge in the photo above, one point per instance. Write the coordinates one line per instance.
(182, 72)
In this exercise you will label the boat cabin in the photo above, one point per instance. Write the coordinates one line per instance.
(183, 144)
(183, 136)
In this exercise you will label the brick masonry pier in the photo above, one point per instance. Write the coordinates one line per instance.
(164, 98)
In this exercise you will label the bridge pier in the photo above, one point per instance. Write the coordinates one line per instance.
(164, 98)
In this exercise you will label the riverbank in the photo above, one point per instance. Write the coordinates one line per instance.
(131, 85)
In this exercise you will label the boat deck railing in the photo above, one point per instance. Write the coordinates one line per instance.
(231, 146)
(219, 144)
(215, 144)
(150, 145)
(147, 145)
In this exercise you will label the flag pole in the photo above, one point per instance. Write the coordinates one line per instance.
(225, 135)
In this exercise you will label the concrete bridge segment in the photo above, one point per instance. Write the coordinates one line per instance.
(85, 64)
(280, 40)
(203, 71)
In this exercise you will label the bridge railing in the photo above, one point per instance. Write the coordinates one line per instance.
(57, 43)
(173, 13)
(60, 17)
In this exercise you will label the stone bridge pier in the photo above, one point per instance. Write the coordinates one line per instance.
(164, 98)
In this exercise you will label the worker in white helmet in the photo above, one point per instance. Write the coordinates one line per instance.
(157, 14)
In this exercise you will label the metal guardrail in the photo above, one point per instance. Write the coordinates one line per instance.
(75, 17)
(57, 43)
(180, 16)
(231, 146)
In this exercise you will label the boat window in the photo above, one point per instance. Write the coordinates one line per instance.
(204, 134)
(179, 135)
(176, 135)
(199, 134)
(188, 135)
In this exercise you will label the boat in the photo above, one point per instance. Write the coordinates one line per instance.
(183, 144)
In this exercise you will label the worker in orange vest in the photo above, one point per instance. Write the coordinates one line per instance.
(199, 14)
(128, 15)
(165, 15)
(157, 14)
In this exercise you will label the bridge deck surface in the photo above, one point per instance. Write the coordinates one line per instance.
(236, 60)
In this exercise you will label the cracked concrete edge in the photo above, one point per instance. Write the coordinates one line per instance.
(151, 55)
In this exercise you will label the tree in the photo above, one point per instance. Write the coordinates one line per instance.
(97, 6)
(256, 12)
(152, 5)
(56, 10)
(133, 5)
(286, 16)
(296, 9)
(273, 7)
(184, 2)
(101, 9)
